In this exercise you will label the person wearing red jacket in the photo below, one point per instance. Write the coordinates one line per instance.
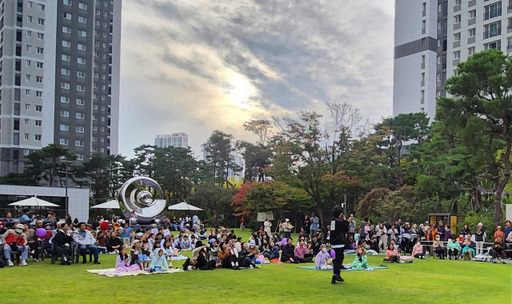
(15, 238)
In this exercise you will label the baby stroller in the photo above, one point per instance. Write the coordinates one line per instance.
(406, 244)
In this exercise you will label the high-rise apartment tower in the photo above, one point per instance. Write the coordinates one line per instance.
(433, 36)
(59, 77)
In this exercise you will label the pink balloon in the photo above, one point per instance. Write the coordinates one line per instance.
(41, 232)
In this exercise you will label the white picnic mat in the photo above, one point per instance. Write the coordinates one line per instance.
(111, 272)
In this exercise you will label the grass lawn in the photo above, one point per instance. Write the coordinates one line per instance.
(425, 281)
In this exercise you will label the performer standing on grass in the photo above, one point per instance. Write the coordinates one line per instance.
(338, 231)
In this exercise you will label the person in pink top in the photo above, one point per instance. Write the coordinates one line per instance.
(392, 255)
(417, 250)
(302, 253)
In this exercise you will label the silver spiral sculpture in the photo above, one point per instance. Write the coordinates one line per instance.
(142, 195)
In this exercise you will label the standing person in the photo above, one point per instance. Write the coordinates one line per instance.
(127, 233)
(9, 222)
(267, 225)
(314, 223)
(338, 238)
(352, 225)
(287, 228)
(242, 223)
(480, 236)
(305, 225)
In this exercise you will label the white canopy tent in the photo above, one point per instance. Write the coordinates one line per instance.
(184, 206)
(112, 204)
(33, 202)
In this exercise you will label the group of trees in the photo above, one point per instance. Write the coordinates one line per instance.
(404, 166)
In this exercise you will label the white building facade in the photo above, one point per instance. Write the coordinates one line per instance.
(432, 37)
(177, 140)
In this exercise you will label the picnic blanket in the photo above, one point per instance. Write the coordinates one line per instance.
(346, 269)
(178, 257)
(110, 272)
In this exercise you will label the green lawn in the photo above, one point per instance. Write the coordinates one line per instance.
(425, 281)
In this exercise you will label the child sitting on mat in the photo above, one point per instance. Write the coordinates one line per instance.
(361, 260)
(159, 262)
(392, 255)
(123, 262)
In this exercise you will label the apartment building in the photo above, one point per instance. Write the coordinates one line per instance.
(432, 37)
(59, 77)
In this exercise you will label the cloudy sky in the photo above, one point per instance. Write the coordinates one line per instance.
(195, 66)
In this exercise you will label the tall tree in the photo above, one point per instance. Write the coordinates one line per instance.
(310, 158)
(260, 127)
(482, 108)
(213, 199)
(219, 149)
(411, 127)
(48, 164)
(143, 161)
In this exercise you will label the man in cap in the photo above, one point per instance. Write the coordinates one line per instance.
(15, 238)
(338, 238)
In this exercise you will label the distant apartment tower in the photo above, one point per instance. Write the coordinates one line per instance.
(59, 71)
(432, 37)
(178, 140)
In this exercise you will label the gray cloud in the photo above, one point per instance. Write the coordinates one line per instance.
(195, 66)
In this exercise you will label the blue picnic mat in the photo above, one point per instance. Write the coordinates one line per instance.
(347, 269)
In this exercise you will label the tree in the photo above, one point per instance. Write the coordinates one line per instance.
(371, 203)
(411, 127)
(481, 109)
(220, 157)
(312, 159)
(143, 161)
(256, 158)
(47, 165)
(176, 171)
(104, 174)
(214, 199)
(262, 128)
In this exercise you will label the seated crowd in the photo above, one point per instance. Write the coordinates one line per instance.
(151, 249)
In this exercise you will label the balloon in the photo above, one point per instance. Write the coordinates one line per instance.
(104, 226)
(41, 232)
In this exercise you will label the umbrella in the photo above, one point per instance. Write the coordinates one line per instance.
(33, 202)
(113, 204)
(185, 207)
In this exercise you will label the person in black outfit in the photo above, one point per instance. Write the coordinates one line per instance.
(288, 252)
(62, 242)
(339, 230)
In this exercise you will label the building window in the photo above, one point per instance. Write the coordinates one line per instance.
(422, 100)
(80, 101)
(80, 156)
(39, 65)
(39, 93)
(82, 33)
(64, 85)
(65, 71)
(27, 136)
(66, 43)
(40, 36)
(37, 137)
(67, 16)
(39, 79)
(472, 32)
(27, 107)
(38, 123)
(79, 143)
(39, 50)
(80, 115)
(457, 2)
(492, 30)
(493, 45)
(456, 55)
(438, 77)
(471, 51)
(66, 29)
(64, 127)
(66, 2)
(80, 60)
(80, 74)
(82, 19)
(456, 19)
(80, 87)
(80, 129)
(82, 5)
(40, 21)
(81, 47)
(64, 99)
(65, 57)
(40, 7)
(39, 108)
(63, 141)
(493, 10)
(456, 37)
(64, 113)
(472, 14)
